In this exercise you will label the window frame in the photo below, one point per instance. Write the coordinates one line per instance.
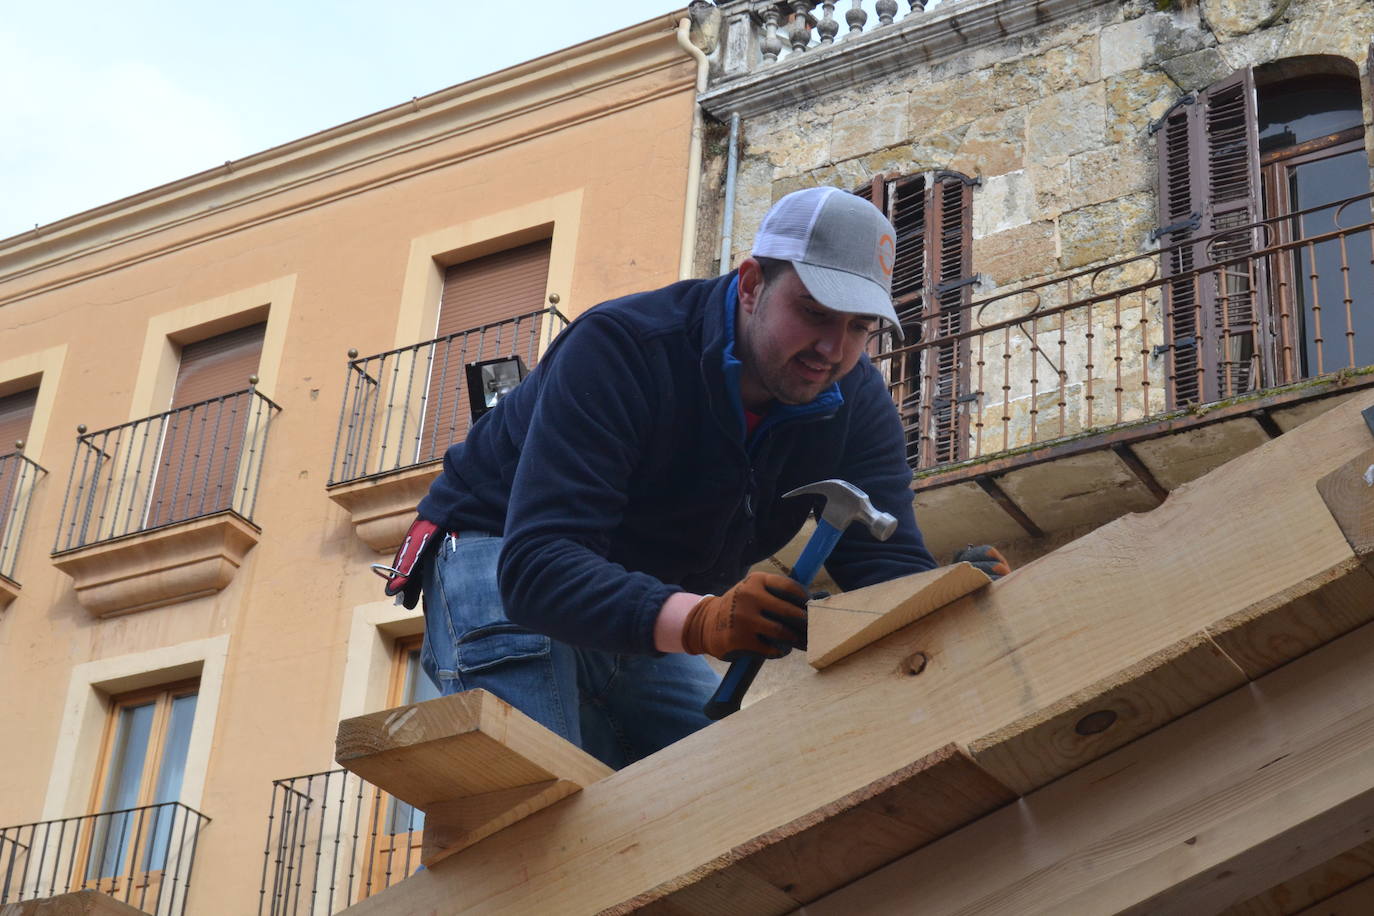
(163, 696)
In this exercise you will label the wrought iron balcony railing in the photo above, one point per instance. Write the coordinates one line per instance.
(183, 464)
(333, 839)
(404, 407)
(17, 478)
(1209, 319)
(141, 856)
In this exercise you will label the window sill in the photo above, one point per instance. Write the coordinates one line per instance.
(151, 569)
(383, 507)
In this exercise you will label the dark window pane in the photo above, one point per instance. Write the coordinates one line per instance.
(1306, 108)
(1336, 333)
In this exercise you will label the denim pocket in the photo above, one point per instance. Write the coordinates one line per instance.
(481, 634)
(487, 647)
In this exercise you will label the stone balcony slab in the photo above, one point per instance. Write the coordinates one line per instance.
(382, 508)
(159, 567)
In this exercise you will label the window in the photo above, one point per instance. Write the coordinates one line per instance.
(139, 777)
(202, 439)
(400, 827)
(931, 290)
(1256, 168)
(16, 413)
(1312, 157)
(480, 297)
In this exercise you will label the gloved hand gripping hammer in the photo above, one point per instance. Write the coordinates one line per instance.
(844, 505)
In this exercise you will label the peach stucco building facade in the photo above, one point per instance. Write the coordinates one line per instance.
(323, 251)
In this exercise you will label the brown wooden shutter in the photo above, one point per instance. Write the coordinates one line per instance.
(949, 243)
(906, 205)
(1217, 320)
(1181, 195)
(218, 365)
(16, 415)
(930, 291)
(202, 436)
(1233, 300)
(494, 288)
(479, 295)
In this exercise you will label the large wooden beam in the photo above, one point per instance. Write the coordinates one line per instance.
(471, 762)
(1256, 788)
(1068, 658)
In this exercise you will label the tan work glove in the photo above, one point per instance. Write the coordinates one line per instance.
(764, 613)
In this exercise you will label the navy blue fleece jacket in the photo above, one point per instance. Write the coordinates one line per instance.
(619, 471)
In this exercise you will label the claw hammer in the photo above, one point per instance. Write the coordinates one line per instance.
(844, 505)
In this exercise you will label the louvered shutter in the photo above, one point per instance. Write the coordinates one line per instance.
(1180, 193)
(931, 290)
(16, 415)
(906, 203)
(1217, 320)
(480, 297)
(945, 369)
(202, 436)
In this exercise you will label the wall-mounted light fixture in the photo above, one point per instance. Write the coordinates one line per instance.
(491, 380)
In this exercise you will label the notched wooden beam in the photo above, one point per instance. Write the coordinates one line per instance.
(471, 762)
(835, 844)
(843, 625)
(1082, 727)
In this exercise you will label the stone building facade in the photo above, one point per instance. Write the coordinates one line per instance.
(1060, 303)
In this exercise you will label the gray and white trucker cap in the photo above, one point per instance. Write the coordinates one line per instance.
(841, 245)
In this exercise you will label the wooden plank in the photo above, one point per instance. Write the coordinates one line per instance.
(1297, 620)
(1348, 492)
(1313, 886)
(1081, 727)
(473, 763)
(1357, 900)
(844, 624)
(1223, 544)
(1258, 786)
(839, 842)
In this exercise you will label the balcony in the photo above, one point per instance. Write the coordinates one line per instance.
(143, 857)
(18, 475)
(1055, 407)
(160, 510)
(333, 840)
(403, 408)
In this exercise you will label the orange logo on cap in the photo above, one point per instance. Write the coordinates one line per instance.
(886, 253)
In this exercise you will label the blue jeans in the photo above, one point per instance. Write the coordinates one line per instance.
(616, 707)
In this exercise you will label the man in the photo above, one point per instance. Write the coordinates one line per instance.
(596, 527)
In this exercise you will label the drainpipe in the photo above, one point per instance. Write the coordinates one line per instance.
(727, 219)
(689, 207)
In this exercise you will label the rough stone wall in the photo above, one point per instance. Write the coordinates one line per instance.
(1054, 124)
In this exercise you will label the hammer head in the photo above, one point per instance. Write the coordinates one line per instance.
(845, 504)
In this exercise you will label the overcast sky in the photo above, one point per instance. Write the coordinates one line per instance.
(101, 99)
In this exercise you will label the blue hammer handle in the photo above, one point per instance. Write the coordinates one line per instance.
(735, 684)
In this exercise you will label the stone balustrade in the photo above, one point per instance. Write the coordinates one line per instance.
(768, 55)
(760, 33)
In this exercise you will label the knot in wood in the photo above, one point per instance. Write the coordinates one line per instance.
(914, 664)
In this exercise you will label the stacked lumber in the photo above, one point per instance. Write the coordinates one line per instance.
(1007, 750)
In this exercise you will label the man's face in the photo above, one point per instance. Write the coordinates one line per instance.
(792, 348)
